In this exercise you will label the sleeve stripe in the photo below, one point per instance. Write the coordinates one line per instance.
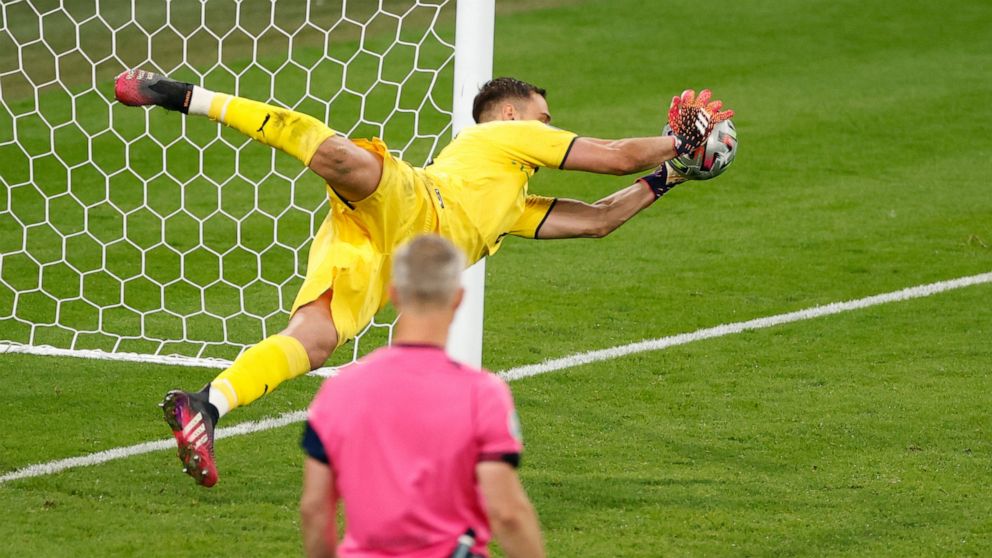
(512, 459)
(541, 224)
(567, 151)
(340, 197)
(313, 446)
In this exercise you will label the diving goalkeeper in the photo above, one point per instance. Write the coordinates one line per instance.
(474, 193)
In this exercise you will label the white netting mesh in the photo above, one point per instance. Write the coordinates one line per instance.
(141, 231)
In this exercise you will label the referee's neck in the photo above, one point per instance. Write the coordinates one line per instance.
(427, 328)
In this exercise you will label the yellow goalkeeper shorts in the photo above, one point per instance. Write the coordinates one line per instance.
(352, 251)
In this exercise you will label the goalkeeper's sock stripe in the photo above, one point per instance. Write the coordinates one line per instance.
(221, 395)
(218, 107)
(199, 103)
(260, 369)
(292, 132)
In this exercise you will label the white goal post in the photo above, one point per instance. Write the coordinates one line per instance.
(473, 67)
(140, 235)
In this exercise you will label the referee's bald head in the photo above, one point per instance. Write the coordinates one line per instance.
(427, 273)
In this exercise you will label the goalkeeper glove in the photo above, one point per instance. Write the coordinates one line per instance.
(692, 118)
(658, 181)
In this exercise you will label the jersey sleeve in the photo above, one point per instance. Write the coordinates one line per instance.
(320, 417)
(312, 445)
(497, 426)
(535, 143)
(536, 211)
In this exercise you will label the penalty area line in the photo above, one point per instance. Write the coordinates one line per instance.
(517, 373)
(579, 359)
(52, 467)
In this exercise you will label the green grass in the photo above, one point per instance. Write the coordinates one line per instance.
(783, 441)
(863, 168)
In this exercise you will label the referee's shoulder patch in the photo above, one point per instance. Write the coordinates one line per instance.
(513, 425)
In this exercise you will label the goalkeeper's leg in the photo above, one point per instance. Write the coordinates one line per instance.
(305, 344)
(352, 171)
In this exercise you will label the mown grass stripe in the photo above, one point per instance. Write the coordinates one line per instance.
(553, 365)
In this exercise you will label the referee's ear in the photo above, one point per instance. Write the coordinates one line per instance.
(394, 297)
(456, 300)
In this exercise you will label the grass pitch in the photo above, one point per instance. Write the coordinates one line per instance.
(863, 168)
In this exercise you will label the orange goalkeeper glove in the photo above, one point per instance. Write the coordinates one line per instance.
(692, 118)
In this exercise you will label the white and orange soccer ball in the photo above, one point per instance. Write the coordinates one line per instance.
(713, 157)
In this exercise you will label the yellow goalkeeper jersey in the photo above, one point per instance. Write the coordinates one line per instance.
(480, 182)
(474, 194)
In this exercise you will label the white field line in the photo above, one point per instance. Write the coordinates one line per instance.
(519, 372)
(737, 327)
(52, 467)
(174, 360)
(170, 360)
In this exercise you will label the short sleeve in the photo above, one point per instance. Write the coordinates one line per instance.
(320, 418)
(312, 445)
(497, 425)
(536, 211)
(535, 143)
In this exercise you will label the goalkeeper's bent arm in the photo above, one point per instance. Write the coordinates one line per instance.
(577, 219)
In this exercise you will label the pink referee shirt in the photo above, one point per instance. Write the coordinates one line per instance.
(403, 430)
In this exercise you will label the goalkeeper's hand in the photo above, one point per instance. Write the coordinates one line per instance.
(692, 118)
(663, 179)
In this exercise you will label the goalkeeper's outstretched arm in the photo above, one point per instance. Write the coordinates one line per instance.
(619, 157)
(691, 118)
(577, 219)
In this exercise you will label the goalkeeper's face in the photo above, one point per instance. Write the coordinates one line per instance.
(534, 107)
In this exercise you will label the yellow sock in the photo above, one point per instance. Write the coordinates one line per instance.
(258, 371)
(292, 132)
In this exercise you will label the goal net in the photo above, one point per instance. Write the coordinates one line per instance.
(141, 232)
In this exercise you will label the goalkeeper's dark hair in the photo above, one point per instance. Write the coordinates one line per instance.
(501, 89)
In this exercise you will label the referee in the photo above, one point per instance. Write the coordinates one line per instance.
(422, 450)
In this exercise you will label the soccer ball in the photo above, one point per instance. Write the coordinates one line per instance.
(713, 157)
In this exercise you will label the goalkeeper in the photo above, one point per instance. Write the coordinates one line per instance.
(474, 193)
